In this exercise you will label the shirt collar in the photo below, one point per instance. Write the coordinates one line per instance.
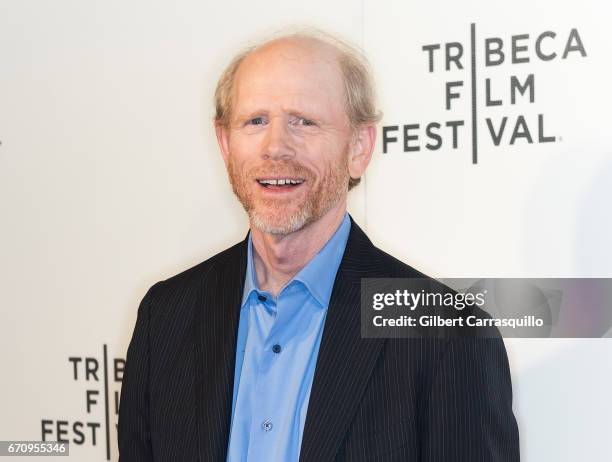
(318, 275)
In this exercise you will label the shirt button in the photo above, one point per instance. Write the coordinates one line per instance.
(276, 348)
(261, 298)
(267, 425)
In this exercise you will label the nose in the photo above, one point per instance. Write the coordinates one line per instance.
(278, 144)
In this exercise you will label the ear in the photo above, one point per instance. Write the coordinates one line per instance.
(223, 139)
(362, 149)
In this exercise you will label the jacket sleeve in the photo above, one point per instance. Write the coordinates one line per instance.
(469, 416)
(134, 433)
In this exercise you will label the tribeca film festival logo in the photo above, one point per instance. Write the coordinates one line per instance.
(103, 382)
(519, 50)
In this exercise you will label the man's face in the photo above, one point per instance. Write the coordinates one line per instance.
(288, 143)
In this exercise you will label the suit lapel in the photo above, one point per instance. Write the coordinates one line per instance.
(345, 360)
(216, 322)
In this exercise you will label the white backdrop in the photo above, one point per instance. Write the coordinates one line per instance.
(110, 180)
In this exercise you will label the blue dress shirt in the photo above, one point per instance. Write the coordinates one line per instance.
(276, 354)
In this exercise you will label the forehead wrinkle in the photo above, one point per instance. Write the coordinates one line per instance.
(279, 83)
(298, 104)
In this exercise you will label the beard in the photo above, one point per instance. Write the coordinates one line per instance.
(282, 216)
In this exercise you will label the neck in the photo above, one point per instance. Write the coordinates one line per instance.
(277, 258)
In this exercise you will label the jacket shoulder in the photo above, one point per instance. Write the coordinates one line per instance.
(193, 277)
(395, 268)
(364, 258)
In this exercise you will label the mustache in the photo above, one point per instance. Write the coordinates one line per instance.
(281, 168)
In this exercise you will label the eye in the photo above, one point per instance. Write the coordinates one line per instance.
(257, 121)
(304, 122)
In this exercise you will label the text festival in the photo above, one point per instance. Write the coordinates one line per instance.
(523, 48)
(102, 377)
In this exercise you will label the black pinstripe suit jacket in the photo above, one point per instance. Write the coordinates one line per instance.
(442, 399)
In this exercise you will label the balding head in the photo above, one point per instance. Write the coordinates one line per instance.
(358, 95)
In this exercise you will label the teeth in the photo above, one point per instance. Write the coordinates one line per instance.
(281, 182)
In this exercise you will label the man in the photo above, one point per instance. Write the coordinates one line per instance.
(256, 353)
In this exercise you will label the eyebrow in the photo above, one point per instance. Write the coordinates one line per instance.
(241, 117)
(250, 115)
